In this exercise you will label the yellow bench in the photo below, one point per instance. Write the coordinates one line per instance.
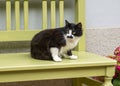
(21, 67)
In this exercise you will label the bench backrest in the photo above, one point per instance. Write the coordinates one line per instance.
(26, 34)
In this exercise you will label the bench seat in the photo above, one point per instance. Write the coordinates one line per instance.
(20, 67)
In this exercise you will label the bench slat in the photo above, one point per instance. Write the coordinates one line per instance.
(44, 14)
(17, 14)
(80, 17)
(6, 36)
(26, 16)
(53, 14)
(61, 12)
(8, 15)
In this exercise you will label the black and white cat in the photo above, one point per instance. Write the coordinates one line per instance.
(53, 44)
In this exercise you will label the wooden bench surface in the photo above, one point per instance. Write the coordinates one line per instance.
(23, 61)
(21, 67)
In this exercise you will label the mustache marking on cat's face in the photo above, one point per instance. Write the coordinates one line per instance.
(69, 34)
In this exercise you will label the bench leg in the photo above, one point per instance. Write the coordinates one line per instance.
(77, 82)
(107, 81)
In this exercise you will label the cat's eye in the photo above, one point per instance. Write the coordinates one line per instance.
(73, 32)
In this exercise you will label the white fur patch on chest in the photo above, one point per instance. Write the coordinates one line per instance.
(70, 44)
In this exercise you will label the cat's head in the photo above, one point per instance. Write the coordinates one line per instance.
(73, 30)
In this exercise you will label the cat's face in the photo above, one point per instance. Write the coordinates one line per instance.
(73, 30)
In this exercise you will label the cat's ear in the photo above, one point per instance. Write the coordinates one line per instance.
(66, 23)
(79, 25)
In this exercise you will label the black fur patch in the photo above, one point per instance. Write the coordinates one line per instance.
(44, 40)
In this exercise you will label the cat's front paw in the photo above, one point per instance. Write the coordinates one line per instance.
(73, 57)
(57, 59)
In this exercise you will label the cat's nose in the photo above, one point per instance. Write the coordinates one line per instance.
(70, 37)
